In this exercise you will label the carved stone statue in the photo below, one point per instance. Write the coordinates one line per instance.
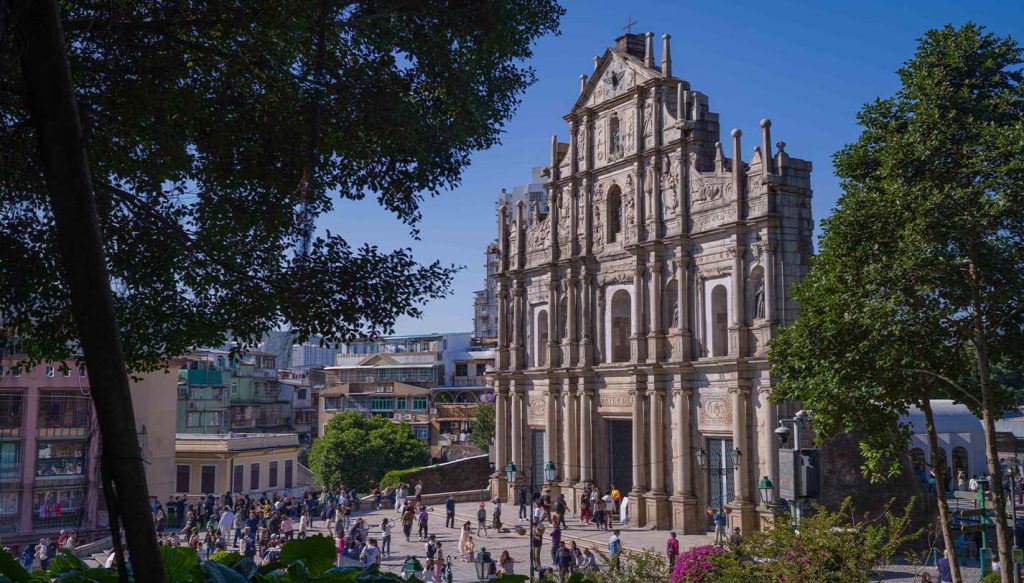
(648, 119)
(600, 141)
(675, 311)
(649, 190)
(759, 299)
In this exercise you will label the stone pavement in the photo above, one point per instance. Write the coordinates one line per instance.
(634, 539)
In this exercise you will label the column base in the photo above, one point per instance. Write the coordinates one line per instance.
(572, 503)
(659, 513)
(687, 517)
(766, 517)
(743, 515)
(636, 512)
(499, 487)
(655, 348)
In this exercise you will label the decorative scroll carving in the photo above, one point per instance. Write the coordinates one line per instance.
(538, 407)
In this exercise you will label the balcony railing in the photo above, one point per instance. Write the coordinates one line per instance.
(476, 381)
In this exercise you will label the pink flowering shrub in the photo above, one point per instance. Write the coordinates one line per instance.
(696, 565)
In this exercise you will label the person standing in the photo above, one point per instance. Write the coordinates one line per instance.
(371, 554)
(564, 560)
(423, 516)
(672, 549)
(521, 500)
(227, 521)
(481, 520)
(506, 564)
(385, 537)
(720, 520)
(943, 569)
(535, 545)
(560, 508)
(556, 540)
(449, 512)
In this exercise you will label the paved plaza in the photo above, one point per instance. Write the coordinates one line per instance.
(633, 538)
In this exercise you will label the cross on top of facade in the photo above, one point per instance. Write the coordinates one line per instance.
(630, 23)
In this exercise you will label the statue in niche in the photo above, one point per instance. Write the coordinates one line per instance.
(600, 142)
(648, 119)
(675, 311)
(669, 196)
(581, 143)
(759, 299)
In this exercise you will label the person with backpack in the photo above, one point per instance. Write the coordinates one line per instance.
(672, 549)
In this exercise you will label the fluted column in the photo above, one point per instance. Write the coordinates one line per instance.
(587, 326)
(682, 479)
(739, 293)
(586, 422)
(682, 300)
(570, 447)
(657, 436)
(571, 338)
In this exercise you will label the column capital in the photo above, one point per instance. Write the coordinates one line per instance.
(686, 391)
(764, 390)
(741, 390)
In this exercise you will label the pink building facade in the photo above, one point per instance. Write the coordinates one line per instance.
(49, 443)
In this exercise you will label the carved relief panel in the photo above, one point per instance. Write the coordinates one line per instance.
(715, 411)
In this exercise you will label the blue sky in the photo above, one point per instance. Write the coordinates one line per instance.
(808, 66)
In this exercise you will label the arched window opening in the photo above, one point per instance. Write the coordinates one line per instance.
(719, 321)
(942, 462)
(614, 213)
(917, 458)
(621, 326)
(960, 461)
(614, 136)
(542, 338)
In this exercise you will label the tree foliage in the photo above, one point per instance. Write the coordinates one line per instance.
(917, 290)
(217, 132)
(358, 450)
(483, 425)
(934, 183)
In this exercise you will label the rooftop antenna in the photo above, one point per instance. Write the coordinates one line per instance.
(630, 23)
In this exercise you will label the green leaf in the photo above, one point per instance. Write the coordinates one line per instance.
(228, 558)
(12, 569)
(246, 567)
(65, 561)
(316, 552)
(178, 563)
(298, 573)
(220, 573)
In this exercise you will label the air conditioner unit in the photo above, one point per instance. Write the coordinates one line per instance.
(407, 417)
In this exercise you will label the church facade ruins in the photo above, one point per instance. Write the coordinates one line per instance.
(633, 314)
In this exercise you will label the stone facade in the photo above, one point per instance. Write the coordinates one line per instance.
(634, 313)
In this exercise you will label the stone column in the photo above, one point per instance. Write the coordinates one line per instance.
(518, 346)
(586, 358)
(657, 498)
(499, 487)
(570, 447)
(503, 323)
(656, 333)
(639, 462)
(552, 347)
(767, 437)
(769, 282)
(636, 321)
(551, 436)
(571, 355)
(743, 508)
(737, 331)
(586, 422)
(518, 420)
(683, 297)
(685, 515)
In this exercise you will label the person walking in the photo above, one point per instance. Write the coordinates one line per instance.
(423, 516)
(385, 538)
(672, 550)
(535, 546)
(564, 561)
(407, 519)
(556, 539)
(449, 512)
(560, 508)
(614, 548)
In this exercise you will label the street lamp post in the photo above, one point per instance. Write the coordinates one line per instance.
(550, 472)
(1012, 468)
(782, 433)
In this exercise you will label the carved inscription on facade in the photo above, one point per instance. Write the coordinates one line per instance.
(715, 410)
(616, 401)
(538, 407)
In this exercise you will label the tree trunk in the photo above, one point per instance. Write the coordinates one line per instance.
(940, 487)
(989, 424)
(51, 101)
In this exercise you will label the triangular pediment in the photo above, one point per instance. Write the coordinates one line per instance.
(377, 360)
(617, 72)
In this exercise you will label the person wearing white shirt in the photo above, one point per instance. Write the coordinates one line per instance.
(227, 521)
